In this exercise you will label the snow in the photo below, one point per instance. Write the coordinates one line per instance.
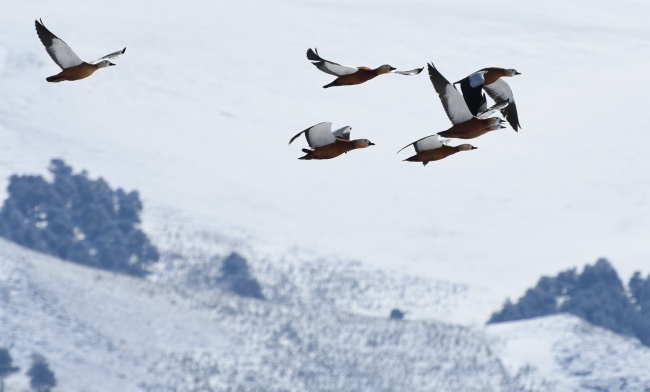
(565, 353)
(100, 330)
(324, 326)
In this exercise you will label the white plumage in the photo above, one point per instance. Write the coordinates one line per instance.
(62, 54)
(343, 133)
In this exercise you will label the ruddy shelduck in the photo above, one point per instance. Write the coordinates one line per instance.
(348, 75)
(465, 124)
(470, 133)
(326, 144)
(73, 67)
(490, 80)
(432, 148)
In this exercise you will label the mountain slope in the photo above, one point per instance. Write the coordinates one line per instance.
(112, 332)
(564, 353)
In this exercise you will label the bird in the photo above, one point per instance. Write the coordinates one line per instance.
(347, 75)
(470, 133)
(326, 144)
(73, 67)
(432, 148)
(490, 80)
(465, 124)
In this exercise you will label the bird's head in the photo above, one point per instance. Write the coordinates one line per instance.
(496, 127)
(466, 147)
(104, 64)
(385, 69)
(495, 121)
(362, 143)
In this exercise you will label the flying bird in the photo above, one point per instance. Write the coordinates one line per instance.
(326, 144)
(73, 67)
(432, 148)
(348, 75)
(490, 80)
(465, 124)
(472, 133)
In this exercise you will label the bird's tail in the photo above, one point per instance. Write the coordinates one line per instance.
(309, 156)
(414, 158)
(333, 84)
(53, 79)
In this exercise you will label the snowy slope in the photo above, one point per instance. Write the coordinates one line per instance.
(564, 353)
(198, 112)
(106, 332)
(102, 331)
(297, 278)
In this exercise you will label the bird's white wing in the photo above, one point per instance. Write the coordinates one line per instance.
(426, 143)
(336, 69)
(343, 133)
(451, 99)
(411, 72)
(318, 135)
(58, 50)
(476, 79)
(329, 67)
(110, 56)
(495, 108)
(500, 91)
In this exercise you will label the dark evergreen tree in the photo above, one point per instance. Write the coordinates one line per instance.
(597, 295)
(6, 367)
(640, 290)
(77, 219)
(236, 276)
(396, 314)
(41, 378)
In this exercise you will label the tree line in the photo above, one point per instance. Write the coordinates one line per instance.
(596, 295)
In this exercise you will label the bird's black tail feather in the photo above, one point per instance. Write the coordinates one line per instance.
(309, 156)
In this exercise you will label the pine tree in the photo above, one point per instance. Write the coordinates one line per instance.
(597, 295)
(6, 367)
(236, 276)
(77, 219)
(640, 290)
(41, 378)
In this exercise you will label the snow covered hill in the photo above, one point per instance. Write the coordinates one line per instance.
(102, 331)
(328, 329)
(564, 353)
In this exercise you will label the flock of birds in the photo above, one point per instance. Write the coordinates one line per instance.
(468, 112)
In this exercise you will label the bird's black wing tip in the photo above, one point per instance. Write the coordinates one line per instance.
(312, 55)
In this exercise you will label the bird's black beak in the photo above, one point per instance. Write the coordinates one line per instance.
(371, 144)
(474, 148)
(392, 68)
(517, 73)
(111, 64)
